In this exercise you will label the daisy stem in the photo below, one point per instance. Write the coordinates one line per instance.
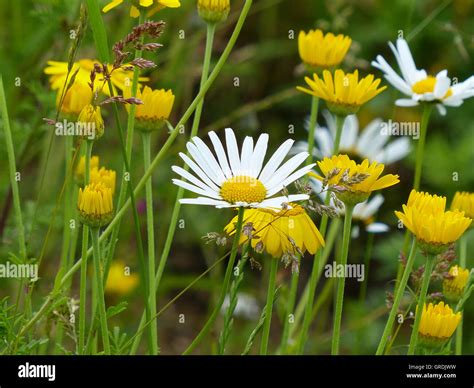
(13, 172)
(211, 28)
(312, 127)
(225, 284)
(346, 237)
(100, 289)
(85, 244)
(397, 299)
(367, 257)
(462, 264)
(420, 149)
(153, 328)
(269, 306)
(339, 125)
(295, 276)
(430, 259)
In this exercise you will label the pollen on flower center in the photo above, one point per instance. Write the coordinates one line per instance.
(243, 188)
(427, 85)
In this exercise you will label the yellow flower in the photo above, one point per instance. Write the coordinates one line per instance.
(213, 11)
(156, 107)
(280, 231)
(453, 287)
(76, 98)
(424, 215)
(120, 281)
(95, 204)
(81, 168)
(57, 72)
(153, 6)
(107, 177)
(92, 124)
(464, 201)
(343, 172)
(344, 93)
(437, 325)
(322, 51)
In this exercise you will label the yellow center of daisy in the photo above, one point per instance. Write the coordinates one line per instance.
(242, 188)
(427, 85)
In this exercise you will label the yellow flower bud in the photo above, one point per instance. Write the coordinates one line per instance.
(91, 122)
(453, 288)
(213, 11)
(102, 175)
(81, 168)
(76, 98)
(437, 325)
(95, 205)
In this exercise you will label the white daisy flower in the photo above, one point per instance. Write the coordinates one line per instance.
(418, 85)
(364, 212)
(234, 180)
(369, 143)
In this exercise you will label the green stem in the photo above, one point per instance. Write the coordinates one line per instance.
(83, 290)
(13, 172)
(367, 257)
(346, 237)
(462, 264)
(225, 284)
(153, 327)
(339, 125)
(269, 306)
(290, 309)
(100, 290)
(68, 203)
(421, 303)
(312, 127)
(158, 158)
(397, 299)
(421, 144)
(211, 28)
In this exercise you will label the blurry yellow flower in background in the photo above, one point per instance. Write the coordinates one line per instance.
(344, 93)
(81, 168)
(57, 72)
(424, 215)
(280, 231)
(156, 107)
(75, 99)
(437, 325)
(346, 174)
(464, 201)
(453, 287)
(92, 122)
(213, 11)
(120, 280)
(152, 6)
(95, 204)
(102, 175)
(318, 50)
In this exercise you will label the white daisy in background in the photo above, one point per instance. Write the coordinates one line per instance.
(238, 180)
(418, 85)
(364, 212)
(369, 143)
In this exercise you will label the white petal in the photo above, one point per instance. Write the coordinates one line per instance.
(198, 171)
(441, 109)
(191, 178)
(330, 122)
(202, 201)
(276, 202)
(275, 161)
(406, 102)
(286, 169)
(221, 156)
(391, 76)
(394, 151)
(210, 159)
(232, 151)
(324, 141)
(203, 163)
(372, 206)
(364, 144)
(407, 60)
(442, 85)
(349, 133)
(377, 227)
(293, 177)
(258, 156)
(195, 189)
(246, 156)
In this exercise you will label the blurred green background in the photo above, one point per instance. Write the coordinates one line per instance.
(266, 65)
